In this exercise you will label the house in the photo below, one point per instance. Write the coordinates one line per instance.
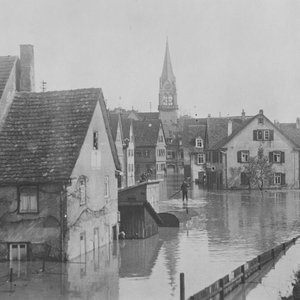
(58, 185)
(117, 134)
(128, 135)
(229, 156)
(122, 132)
(16, 74)
(150, 148)
(194, 138)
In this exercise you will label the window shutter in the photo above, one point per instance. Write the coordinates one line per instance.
(282, 157)
(271, 156)
(271, 180)
(196, 159)
(271, 137)
(254, 135)
(282, 178)
(239, 156)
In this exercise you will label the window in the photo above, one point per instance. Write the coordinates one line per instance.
(95, 140)
(138, 153)
(161, 152)
(244, 179)
(276, 157)
(147, 153)
(171, 154)
(263, 135)
(243, 156)
(161, 139)
(279, 178)
(260, 120)
(82, 190)
(199, 143)
(106, 186)
(28, 199)
(200, 158)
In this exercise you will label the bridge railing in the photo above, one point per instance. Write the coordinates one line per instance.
(225, 285)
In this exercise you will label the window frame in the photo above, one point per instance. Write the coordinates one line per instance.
(198, 158)
(199, 143)
(28, 187)
(106, 186)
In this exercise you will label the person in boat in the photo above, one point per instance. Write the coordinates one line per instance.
(184, 189)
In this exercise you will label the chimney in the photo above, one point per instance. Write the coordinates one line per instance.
(298, 123)
(261, 112)
(243, 114)
(26, 68)
(229, 127)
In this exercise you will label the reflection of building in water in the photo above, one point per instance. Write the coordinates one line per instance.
(138, 257)
(171, 253)
(94, 276)
(255, 220)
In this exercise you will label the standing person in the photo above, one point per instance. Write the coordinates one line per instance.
(184, 189)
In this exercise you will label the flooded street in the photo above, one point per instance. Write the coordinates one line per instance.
(225, 230)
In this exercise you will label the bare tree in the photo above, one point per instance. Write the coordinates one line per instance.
(258, 170)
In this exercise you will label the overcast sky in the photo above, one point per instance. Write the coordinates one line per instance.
(227, 55)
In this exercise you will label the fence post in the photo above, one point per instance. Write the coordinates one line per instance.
(182, 292)
(11, 274)
(243, 272)
(221, 285)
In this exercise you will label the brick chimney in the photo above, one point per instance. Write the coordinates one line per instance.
(298, 123)
(27, 83)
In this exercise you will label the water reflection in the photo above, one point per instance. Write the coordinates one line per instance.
(224, 229)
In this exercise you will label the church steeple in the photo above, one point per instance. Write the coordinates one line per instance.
(167, 72)
(167, 91)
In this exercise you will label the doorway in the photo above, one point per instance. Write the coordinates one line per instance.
(18, 251)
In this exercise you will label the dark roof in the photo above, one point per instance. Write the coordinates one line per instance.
(290, 130)
(126, 126)
(6, 65)
(113, 123)
(192, 129)
(217, 130)
(148, 115)
(44, 132)
(146, 132)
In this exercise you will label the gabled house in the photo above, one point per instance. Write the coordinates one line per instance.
(117, 134)
(281, 148)
(16, 74)
(58, 186)
(150, 149)
(194, 139)
(129, 143)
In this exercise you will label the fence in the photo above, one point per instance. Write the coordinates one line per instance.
(225, 285)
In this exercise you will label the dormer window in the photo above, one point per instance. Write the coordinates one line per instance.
(199, 143)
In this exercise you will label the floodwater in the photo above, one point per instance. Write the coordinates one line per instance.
(225, 230)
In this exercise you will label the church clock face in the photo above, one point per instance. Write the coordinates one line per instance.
(168, 100)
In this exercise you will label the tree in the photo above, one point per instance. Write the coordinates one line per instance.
(258, 169)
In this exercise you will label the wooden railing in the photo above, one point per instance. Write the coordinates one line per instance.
(238, 276)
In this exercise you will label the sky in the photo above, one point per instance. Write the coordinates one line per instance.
(227, 55)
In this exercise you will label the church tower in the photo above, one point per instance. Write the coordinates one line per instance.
(167, 95)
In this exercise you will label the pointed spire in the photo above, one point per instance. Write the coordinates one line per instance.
(167, 72)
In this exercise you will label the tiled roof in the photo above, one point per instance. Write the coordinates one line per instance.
(146, 132)
(148, 115)
(6, 65)
(291, 131)
(217, 130)
(126, 127)
(44, 132)
(192, 129)
(113, 123)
